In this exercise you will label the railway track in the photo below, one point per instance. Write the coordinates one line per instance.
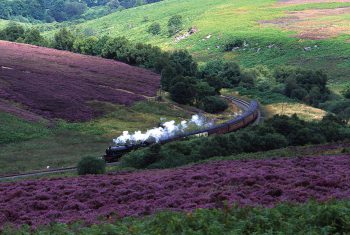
(242, 104)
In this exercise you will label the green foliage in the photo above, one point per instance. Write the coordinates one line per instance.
(12, 32)
(64, 40)
(62, 10)
(339, 107)
(17, 130)
(305, 85)
(231, 72)
(233, 43)
(154, 28)
(312, 218)
(183, 90)
(346, 92)
(116, 48)
(91, 165)
(88, 46)
(175, 24)
(213, 104)
(33, 36)
(183, 63)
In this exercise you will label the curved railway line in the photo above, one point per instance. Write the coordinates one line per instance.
(243, 104)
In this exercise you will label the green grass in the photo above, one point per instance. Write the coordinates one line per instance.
(224, 19)
(17, 130)
(29, 146)
(331, 217)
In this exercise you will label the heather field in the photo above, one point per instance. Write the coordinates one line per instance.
(246, 182)
(57, 84)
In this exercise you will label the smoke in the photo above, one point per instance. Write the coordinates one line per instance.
(166, 130)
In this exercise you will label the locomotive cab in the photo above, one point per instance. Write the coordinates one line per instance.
(113, 154)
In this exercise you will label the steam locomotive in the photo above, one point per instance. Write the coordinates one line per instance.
(251, 113)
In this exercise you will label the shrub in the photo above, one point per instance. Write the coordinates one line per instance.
(64, 40)
(213, 104)
(174, 24)
(183, 92)
(91, 165)
(231, 72)
(12, 32)
(154, 28)
(346, 92)
(86, 46)
(233, 43)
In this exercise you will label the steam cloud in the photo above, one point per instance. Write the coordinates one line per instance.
(166, 130)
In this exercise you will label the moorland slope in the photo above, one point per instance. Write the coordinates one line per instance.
(57, 84)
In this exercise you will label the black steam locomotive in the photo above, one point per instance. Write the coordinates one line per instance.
(250, 114)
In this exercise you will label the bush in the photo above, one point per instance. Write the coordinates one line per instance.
(154, 28)
(12, 32)
(183, 92)
(346, 92)
(91, 165)
(174, 25)
(233, 43)
(64, 40)
(213, 104)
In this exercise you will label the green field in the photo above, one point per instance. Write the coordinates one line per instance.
(223, 20)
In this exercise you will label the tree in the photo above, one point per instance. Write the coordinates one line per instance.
(174, 25)
(74, 9)
(213, 104)
(139, 3)
(33, 36)
(283, 72)
(212, 68)
(183, 63)
(86, 46)
(183, 91)
(231, 72)
(117, 48)
(12, 32)
(113, 4)
(217, 83)
(203, 90)
(346, 92)
(248, 79)
(154, 28)
(64, 40)
(299, 93)
(167, 77)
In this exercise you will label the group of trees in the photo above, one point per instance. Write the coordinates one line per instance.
(59, 10)
(340, 106)
(16, 33)
(175, 25)
(186, 85)
(305, 85)
(275, 133)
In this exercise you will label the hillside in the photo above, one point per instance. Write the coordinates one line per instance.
(311, 34)
(57, 84)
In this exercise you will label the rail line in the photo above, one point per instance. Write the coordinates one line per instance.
(243, 104)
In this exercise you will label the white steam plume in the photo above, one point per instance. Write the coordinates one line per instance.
(166, 130)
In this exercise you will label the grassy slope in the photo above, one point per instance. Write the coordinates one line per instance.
(224, 19)
(26, 146)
